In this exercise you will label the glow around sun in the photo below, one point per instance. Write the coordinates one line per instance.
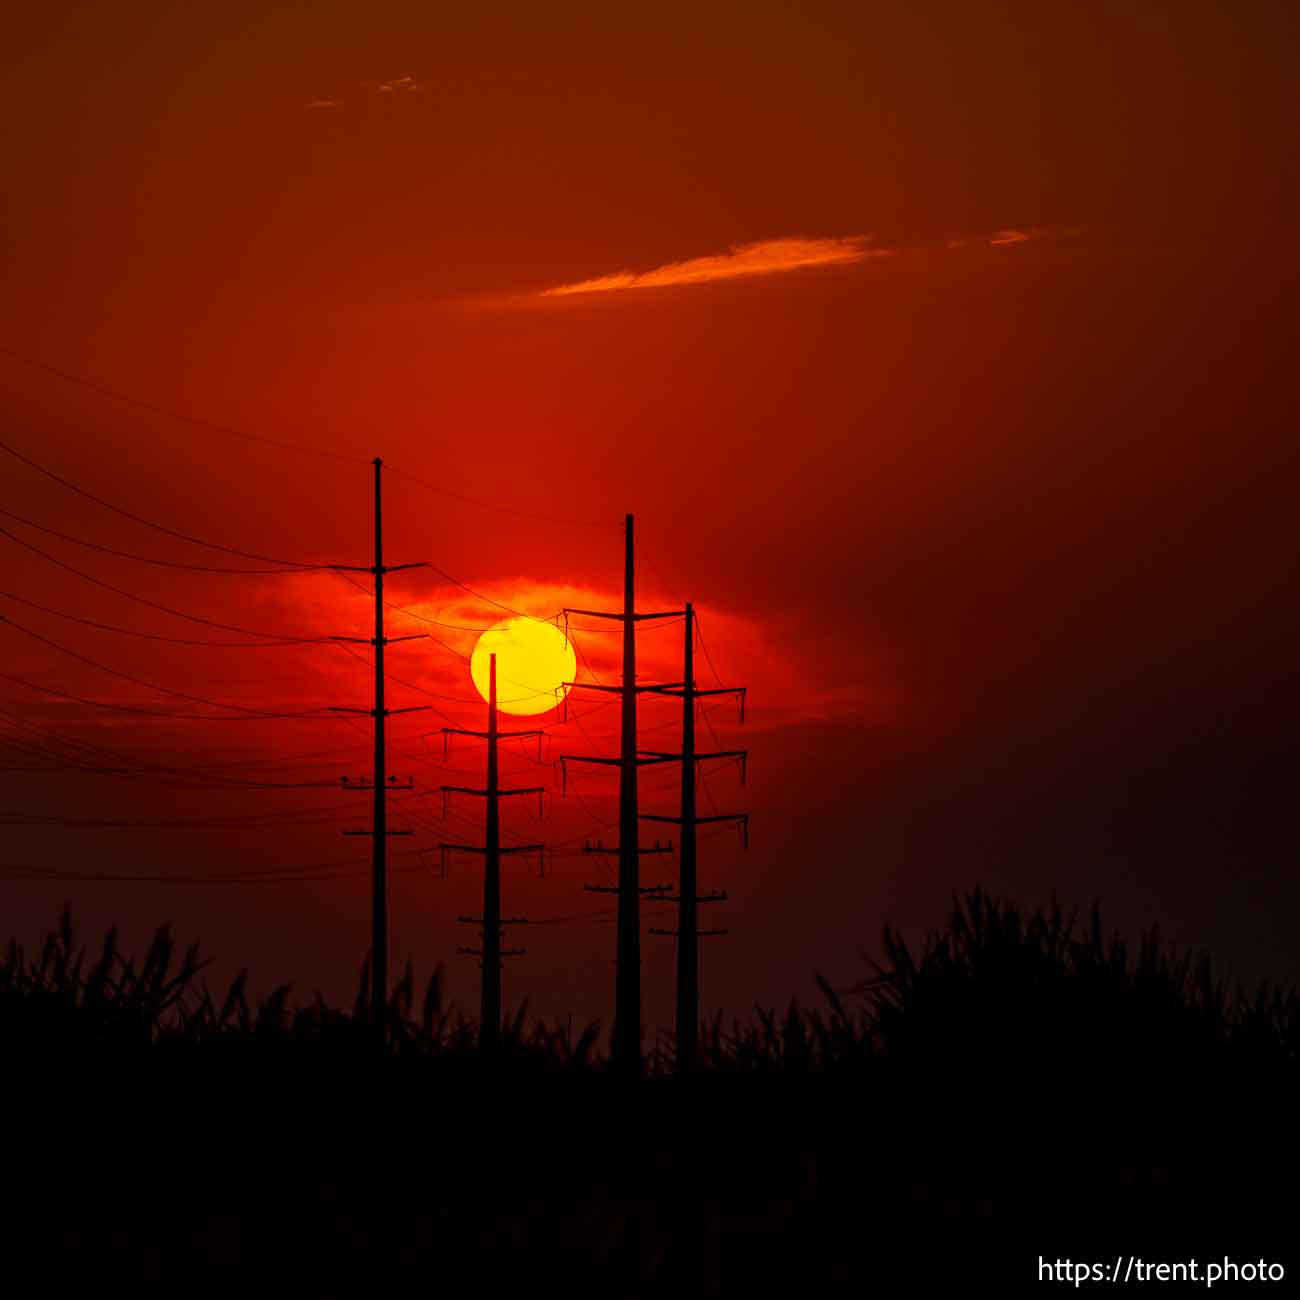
(534, 661)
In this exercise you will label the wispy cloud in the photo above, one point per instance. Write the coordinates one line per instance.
(394, 87)
(998, 239)
(406, 85)
(765, 257)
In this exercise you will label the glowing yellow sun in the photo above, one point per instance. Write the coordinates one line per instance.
(534, 661)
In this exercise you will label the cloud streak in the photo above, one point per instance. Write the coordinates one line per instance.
(765, 257)
(998, 239)
(394, 87)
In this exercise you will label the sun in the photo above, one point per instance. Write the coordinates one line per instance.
(534, 662)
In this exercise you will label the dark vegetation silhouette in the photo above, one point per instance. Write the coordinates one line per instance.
(1019, 1083)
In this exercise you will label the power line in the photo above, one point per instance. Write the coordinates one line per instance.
(144, 559)
(155, 408)
(272, 876)
(586, 663)
(153, 777)
(433, 695)
(185, 824)
(156, 775)
(518, 613)
(281, 760)
(202, 422)
(136, 681)
(158, 636)
(699, 630)
(534, 692)
(148, 523)
(195, 420)
(156, 713)
(23, 873)
(704, 645)
(478, 595)
(433, 622)
(189, 778)
(282, 816)
(509, 510)
(244, 874)
(144, 600)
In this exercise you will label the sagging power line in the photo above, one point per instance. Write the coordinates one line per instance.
(627, 916)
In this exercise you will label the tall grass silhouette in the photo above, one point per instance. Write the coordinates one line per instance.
(1018, 1082)
(998, 987)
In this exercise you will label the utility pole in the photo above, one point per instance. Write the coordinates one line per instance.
(626, 1039)
(381, 783)
(491, 922)
(688, 897)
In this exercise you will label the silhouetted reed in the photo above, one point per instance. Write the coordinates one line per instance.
(998, 987)
(1010, 1077)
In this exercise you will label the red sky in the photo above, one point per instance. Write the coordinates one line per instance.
(944, 351)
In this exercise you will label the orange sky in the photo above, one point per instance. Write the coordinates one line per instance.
(944, 352)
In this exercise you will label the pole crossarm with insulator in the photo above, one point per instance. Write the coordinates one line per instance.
(491, 923)
(380, 784)
(688, 898)
(625, 1047)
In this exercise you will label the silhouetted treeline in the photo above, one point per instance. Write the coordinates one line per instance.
(1020, 1083)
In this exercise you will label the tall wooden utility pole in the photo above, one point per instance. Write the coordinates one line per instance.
(626, 1041)
(688, 898)
(380, 783)
(379, 827)
(491, 922)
